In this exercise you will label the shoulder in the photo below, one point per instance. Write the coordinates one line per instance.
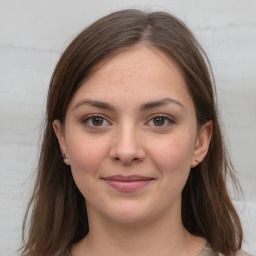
(207, 251)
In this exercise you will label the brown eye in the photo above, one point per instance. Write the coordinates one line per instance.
(97, 121)
(159, 121)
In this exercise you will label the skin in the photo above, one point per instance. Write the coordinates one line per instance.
(134, 137)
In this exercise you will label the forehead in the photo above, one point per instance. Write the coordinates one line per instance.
(137, 72)
(133, 62)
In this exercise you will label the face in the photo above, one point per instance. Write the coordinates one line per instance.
(131, 137)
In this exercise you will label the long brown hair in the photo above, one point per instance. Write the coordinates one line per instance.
(57, 211)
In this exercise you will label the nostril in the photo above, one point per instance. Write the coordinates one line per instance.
(126, 160)
(126, 151)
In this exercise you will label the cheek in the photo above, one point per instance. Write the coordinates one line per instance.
(86, 160)
(173, 156)
(174, 152)
(86, 154)
(174, 167)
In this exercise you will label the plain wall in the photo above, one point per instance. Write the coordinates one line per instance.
(33, 33)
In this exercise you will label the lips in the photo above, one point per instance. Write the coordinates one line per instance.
(128, 183)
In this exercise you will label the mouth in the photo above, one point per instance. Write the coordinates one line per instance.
(128, 183)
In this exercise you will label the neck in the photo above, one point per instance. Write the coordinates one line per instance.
(142, 239)
(159, 236)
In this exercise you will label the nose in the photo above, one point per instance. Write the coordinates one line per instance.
(127, 146)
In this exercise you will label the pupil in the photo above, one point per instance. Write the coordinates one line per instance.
(97, 121)
(159, 121)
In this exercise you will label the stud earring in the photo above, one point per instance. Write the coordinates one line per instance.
(63, 156)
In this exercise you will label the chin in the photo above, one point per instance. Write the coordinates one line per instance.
(130, 213)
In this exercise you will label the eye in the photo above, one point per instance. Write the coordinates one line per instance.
(160, 120)
(95, 121)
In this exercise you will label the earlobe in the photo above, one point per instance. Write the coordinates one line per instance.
(59, 132)
(202, 143)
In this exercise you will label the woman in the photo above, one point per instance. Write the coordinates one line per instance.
(132, 160)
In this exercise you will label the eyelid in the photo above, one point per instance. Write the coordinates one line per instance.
(88, 117)
(167, 117)
(105, 119)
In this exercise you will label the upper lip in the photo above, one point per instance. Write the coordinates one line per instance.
(127, 178)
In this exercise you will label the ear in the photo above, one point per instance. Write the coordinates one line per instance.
(59, 132)
(202, 143)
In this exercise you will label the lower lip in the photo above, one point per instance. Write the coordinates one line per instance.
(128, 185)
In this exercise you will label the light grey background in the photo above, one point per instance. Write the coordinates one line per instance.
(33, 33)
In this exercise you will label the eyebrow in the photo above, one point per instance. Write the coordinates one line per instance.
(159, 103)
(144, 107)
(95, 103)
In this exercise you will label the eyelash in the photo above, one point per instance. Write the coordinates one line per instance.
(89, 119)
(165, 118)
